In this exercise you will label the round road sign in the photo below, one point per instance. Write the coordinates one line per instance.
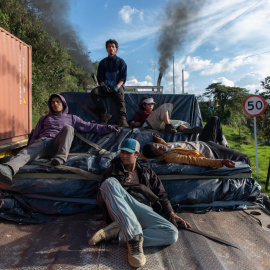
(254, 105)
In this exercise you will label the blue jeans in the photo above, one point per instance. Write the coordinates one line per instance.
(133, 217)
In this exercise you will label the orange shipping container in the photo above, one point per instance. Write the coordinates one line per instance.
(15, 91)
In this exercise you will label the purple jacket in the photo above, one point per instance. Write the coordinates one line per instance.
(50, 125)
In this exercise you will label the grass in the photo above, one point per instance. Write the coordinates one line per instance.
(245, 143)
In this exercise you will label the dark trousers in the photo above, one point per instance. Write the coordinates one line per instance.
(212, 135)
(98, 96)
(57, 147)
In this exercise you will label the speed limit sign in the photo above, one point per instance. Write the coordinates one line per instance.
(254, 105)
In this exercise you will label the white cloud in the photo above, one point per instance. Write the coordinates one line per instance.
(127, 13)
(148, 78)
(134, 82)
(228, 65)
(216, 49)
(224, 81)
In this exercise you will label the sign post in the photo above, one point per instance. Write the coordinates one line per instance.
(254, 105)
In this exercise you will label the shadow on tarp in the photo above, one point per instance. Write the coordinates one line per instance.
(36, 200)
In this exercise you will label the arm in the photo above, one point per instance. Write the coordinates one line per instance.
(158, 139)
(174, 219)
(158, 188)
(83, 126)
(101, 73)
(135, 121)
(198, 161)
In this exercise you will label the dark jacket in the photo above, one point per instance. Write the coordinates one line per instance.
(150, 185)
(111, 71)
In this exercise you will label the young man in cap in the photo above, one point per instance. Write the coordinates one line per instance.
(159, 119)
(134, 198)
(52, 137)
(111, 76)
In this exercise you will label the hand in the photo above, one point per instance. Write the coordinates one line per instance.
(116, 129)
(115, 89)
(156, 137)
(174, 219)
(228, 163)
(137, 124)
(106, 88)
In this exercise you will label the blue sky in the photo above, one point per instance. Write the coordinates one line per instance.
(224, 41)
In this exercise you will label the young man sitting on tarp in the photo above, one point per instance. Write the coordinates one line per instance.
(209, 151)
(135, 199)
(159, 119)
(51, 138)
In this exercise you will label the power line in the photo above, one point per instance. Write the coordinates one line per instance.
(224, 25)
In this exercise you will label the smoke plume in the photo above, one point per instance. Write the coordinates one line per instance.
(178, 16)
(54, 18)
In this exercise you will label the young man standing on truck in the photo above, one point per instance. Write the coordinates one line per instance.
(52, 137)
(209, 151)
(111, 76)
(135, 199)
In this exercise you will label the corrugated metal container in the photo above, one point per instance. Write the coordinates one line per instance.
(15, 90)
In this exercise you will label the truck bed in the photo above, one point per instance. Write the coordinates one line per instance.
(62, 243)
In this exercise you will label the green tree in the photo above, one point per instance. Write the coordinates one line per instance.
(263, 121)
(227, 102)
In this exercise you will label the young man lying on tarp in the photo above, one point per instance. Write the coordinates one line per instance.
(209, 151)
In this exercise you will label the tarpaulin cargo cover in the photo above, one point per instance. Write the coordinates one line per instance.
(39, 191)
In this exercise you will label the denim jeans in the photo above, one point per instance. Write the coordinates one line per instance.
(133, 217)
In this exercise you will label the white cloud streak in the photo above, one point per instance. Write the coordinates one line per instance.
(127, 14)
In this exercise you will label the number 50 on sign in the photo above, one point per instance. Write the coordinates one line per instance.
(254, 105)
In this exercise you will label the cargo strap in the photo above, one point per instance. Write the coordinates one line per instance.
(96, 146)
(217, 239)
(85, 174)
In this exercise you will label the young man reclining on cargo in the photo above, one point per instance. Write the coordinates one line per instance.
(159, 119)
(51, 138)
(209, 151)
(130, 192)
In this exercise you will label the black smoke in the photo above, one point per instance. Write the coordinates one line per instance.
(178, 17)
(54, 15)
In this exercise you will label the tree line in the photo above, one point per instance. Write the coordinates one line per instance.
(227, 103)
(53, 68)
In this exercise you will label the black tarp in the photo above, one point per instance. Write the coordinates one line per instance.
(37, 199)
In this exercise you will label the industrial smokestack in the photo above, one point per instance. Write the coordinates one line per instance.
(159, 79)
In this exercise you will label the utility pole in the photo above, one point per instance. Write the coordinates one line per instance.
(183, 81)
(173, 77)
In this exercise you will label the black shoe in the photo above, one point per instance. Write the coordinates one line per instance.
(105, 118)
(57, 161)
(123, 122)
(136, 256)
(192, 130)
(170, 129)
(5, 174)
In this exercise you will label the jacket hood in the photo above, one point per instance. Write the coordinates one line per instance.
(65, 106)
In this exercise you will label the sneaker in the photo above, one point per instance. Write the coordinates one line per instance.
(57, 161)
(193, 130)
(136, 257)
(105, 118)
(123, 122)
(108, 233)
(169, 128)
(5, 174)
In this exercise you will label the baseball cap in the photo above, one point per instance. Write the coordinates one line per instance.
(130, 145)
